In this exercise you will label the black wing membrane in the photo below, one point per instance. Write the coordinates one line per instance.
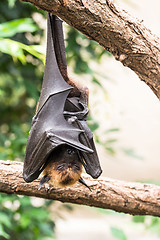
(60, 119)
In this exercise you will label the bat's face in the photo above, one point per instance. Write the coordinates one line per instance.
(64, 167)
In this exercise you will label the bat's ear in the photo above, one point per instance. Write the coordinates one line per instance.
(44, 180)
(81, 180)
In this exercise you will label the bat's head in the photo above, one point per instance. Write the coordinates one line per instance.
(64, 167)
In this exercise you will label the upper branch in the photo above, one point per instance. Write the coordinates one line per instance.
(127, 197)
(117, 31)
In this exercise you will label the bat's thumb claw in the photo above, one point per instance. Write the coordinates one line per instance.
(44, 180)
(81, 180)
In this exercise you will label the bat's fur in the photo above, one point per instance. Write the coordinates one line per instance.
(64, 167)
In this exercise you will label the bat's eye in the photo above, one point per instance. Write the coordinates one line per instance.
(60, 167)
(77, 167)
(70, 151)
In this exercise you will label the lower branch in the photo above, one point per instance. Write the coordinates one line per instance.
(127, 197)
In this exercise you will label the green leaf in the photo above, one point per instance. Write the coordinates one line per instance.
(12, 48)
(92, 123)
(15, 49)
(9, 29)
(11, 3)
(96, 81)
(139, 219)
(3, 233)
(113, 140)
(35, 50)
(42, 214)
(113, 130)
(130, 152)
(118, 233)
(25, 221)
(5, 220)
(110, 150)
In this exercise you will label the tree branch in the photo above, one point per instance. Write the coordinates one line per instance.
(127, 197)
(117, 31)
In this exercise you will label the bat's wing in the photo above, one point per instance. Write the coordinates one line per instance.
(50, 127)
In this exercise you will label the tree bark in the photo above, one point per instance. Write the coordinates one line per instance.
(127, 197)
(118, 32)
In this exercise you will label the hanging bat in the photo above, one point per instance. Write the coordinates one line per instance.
(60, 142)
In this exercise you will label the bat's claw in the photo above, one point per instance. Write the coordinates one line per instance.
(81, 180)
(44, 180)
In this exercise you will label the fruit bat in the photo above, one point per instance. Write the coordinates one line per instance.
(60, 141)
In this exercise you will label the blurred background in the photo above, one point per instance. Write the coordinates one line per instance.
(124, 116)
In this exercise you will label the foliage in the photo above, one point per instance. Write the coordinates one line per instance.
(150, 223)
(15, 48)
(18, 83)
(124, 226)
(10, 28)
(118, 233)
(20, 220)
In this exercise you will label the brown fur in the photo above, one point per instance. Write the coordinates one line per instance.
(77, 90)
(63, 178)
(63, 168)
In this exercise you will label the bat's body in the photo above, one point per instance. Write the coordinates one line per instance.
(60, 141)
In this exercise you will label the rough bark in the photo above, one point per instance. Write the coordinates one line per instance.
(127, 197)
(118, 32)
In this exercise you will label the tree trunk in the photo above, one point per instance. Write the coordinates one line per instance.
(118, 32)
(127, 197)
